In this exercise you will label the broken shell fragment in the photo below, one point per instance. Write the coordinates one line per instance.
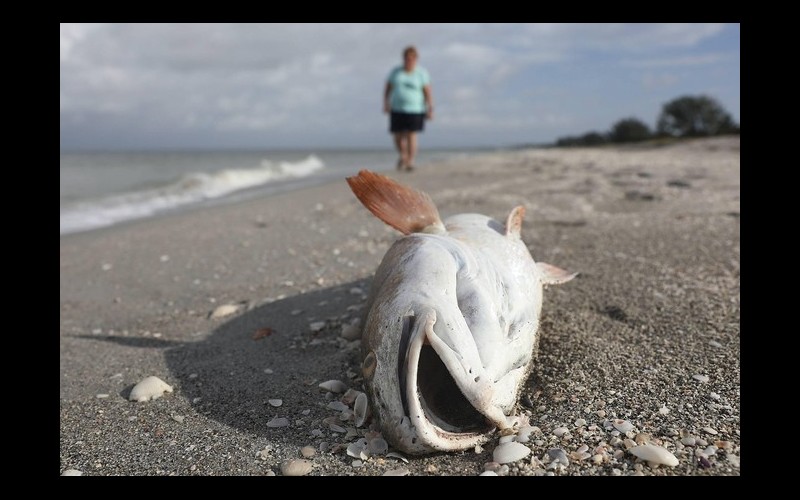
(296, 467)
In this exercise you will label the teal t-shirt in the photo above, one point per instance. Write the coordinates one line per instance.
(407, 95)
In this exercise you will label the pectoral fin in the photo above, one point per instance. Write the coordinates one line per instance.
(552, 275)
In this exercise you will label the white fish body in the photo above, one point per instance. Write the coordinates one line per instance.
(450, 329)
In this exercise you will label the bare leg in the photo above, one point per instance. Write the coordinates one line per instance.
(400, 142)
(411, 150)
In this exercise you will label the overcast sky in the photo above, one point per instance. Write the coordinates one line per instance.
(311, 86)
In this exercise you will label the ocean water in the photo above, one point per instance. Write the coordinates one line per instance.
(100, 189)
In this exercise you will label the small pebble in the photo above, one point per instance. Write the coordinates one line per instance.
(714, 343)
(688, 441)
(580, 422)
(101, 396)
(178, 418)
(316, 326)
(488, 473)
(357, 463)
(75, 472)
(700, 378)
(663, 410)
(337, 428)
(275, 402)
(710, 450)
(378, 446)
(351, 332)
(106, 267)
(270, 472)
(296, 467)
(710, 430)
(560, 431)
(308, 451)
(733, 460)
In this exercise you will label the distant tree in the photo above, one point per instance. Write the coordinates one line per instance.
(593, 139)
(694, 116)
(629, 130)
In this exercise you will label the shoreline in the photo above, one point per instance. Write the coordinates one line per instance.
(654, 233)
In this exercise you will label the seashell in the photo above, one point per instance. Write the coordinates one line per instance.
(351, 332)
(700, 378)
(510, 452)
(350, 396)
(524, 433)
(558, 456)
(361, 409)
(316, 326)
(149, 388)
(223, 310)
(278, 422)
(394, 454)
(355, 449)
(488, 473)
(336, 428)
(337, 406)
(654, 454)
(402, 471)
(275, 402)
(336, 386)
(622, 425)
(296, 467)
(378, 446)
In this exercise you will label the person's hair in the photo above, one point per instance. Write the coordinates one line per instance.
(410, 50)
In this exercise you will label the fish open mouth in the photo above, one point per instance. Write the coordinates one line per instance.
(437, 404)
(442, 400)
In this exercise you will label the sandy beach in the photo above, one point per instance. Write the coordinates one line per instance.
(648, 333)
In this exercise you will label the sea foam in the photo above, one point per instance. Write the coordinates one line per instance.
(189, 189)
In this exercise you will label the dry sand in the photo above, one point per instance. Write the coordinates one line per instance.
(648, 333)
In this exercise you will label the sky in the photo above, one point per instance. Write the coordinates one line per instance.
(311, 86)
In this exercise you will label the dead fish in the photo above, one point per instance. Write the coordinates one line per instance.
(451, 320)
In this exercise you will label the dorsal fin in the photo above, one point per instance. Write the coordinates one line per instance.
(405, 209)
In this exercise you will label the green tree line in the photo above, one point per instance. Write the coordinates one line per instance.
(686, 116)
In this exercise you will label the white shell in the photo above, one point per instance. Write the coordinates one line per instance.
(72, 472)
(394, 454)
(622, 425)
(488, 473)
(510, 452)
(356, 449)
(333, 386)
(297, 467)
(361, 409)
(397, 472)
(149, 388)
(654, 454)
(224, 310)
(275, 402)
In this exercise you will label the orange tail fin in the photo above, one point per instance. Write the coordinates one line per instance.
(403, 208)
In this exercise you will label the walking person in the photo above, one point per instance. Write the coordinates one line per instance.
(409, 102)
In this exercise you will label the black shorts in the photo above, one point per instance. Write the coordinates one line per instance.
(406, 122)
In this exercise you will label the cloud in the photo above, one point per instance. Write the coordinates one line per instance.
(315, 78)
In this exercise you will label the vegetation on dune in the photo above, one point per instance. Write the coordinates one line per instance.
(685, 116)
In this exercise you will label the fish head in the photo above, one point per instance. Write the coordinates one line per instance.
(450, 333)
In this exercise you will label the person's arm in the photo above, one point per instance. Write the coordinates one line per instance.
(426, 90)
(387, 106)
